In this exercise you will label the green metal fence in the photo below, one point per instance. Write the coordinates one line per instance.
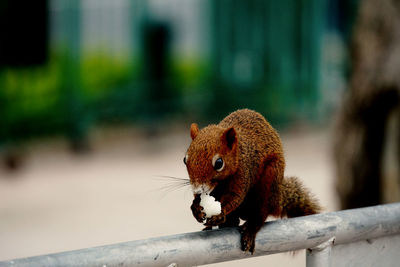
(267, 54)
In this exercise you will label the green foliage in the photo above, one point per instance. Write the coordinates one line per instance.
(191, 73)
(40, 100)
(68, 94)
(101, 74)
(30, 90)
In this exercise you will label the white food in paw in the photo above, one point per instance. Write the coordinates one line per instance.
(210, 205)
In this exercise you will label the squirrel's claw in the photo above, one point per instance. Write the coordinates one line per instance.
(247, 239)
(216, 220)
(208, 228)
(197, 211)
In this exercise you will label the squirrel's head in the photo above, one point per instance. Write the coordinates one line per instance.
(211, 157)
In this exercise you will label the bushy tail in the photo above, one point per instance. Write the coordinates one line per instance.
(296, 200)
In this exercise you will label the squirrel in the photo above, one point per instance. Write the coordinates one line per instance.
(240, 162)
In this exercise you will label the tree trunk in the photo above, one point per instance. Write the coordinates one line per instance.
(373, 94)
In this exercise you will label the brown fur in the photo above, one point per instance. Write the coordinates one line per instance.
(251, 186)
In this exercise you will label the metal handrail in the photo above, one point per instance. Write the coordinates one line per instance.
(224, 245)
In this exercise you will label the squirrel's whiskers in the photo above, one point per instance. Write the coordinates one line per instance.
(171, 183)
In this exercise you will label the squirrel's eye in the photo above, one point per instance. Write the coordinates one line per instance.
(218, 163)
(185, 159)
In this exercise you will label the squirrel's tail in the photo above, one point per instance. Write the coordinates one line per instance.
(296, 200)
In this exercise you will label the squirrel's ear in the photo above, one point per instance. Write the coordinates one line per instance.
(229, 137)
(194, 130)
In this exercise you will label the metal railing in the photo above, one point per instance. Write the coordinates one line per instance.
(358, 237)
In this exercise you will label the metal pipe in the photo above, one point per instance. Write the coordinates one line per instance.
(320, 256)
(224, 245)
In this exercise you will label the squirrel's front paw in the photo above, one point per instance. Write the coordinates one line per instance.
(216, 220)
(198, 213)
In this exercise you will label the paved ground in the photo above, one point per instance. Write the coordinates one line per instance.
(59, 201)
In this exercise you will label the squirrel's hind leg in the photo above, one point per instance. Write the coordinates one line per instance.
(263, 200)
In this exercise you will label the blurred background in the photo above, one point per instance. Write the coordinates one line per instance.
(97, 96)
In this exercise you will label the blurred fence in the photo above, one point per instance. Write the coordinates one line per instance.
(359, 237)
(143, 61)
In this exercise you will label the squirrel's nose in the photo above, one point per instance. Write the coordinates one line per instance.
(201, 188)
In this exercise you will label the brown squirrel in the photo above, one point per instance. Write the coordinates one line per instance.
(240, 163)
